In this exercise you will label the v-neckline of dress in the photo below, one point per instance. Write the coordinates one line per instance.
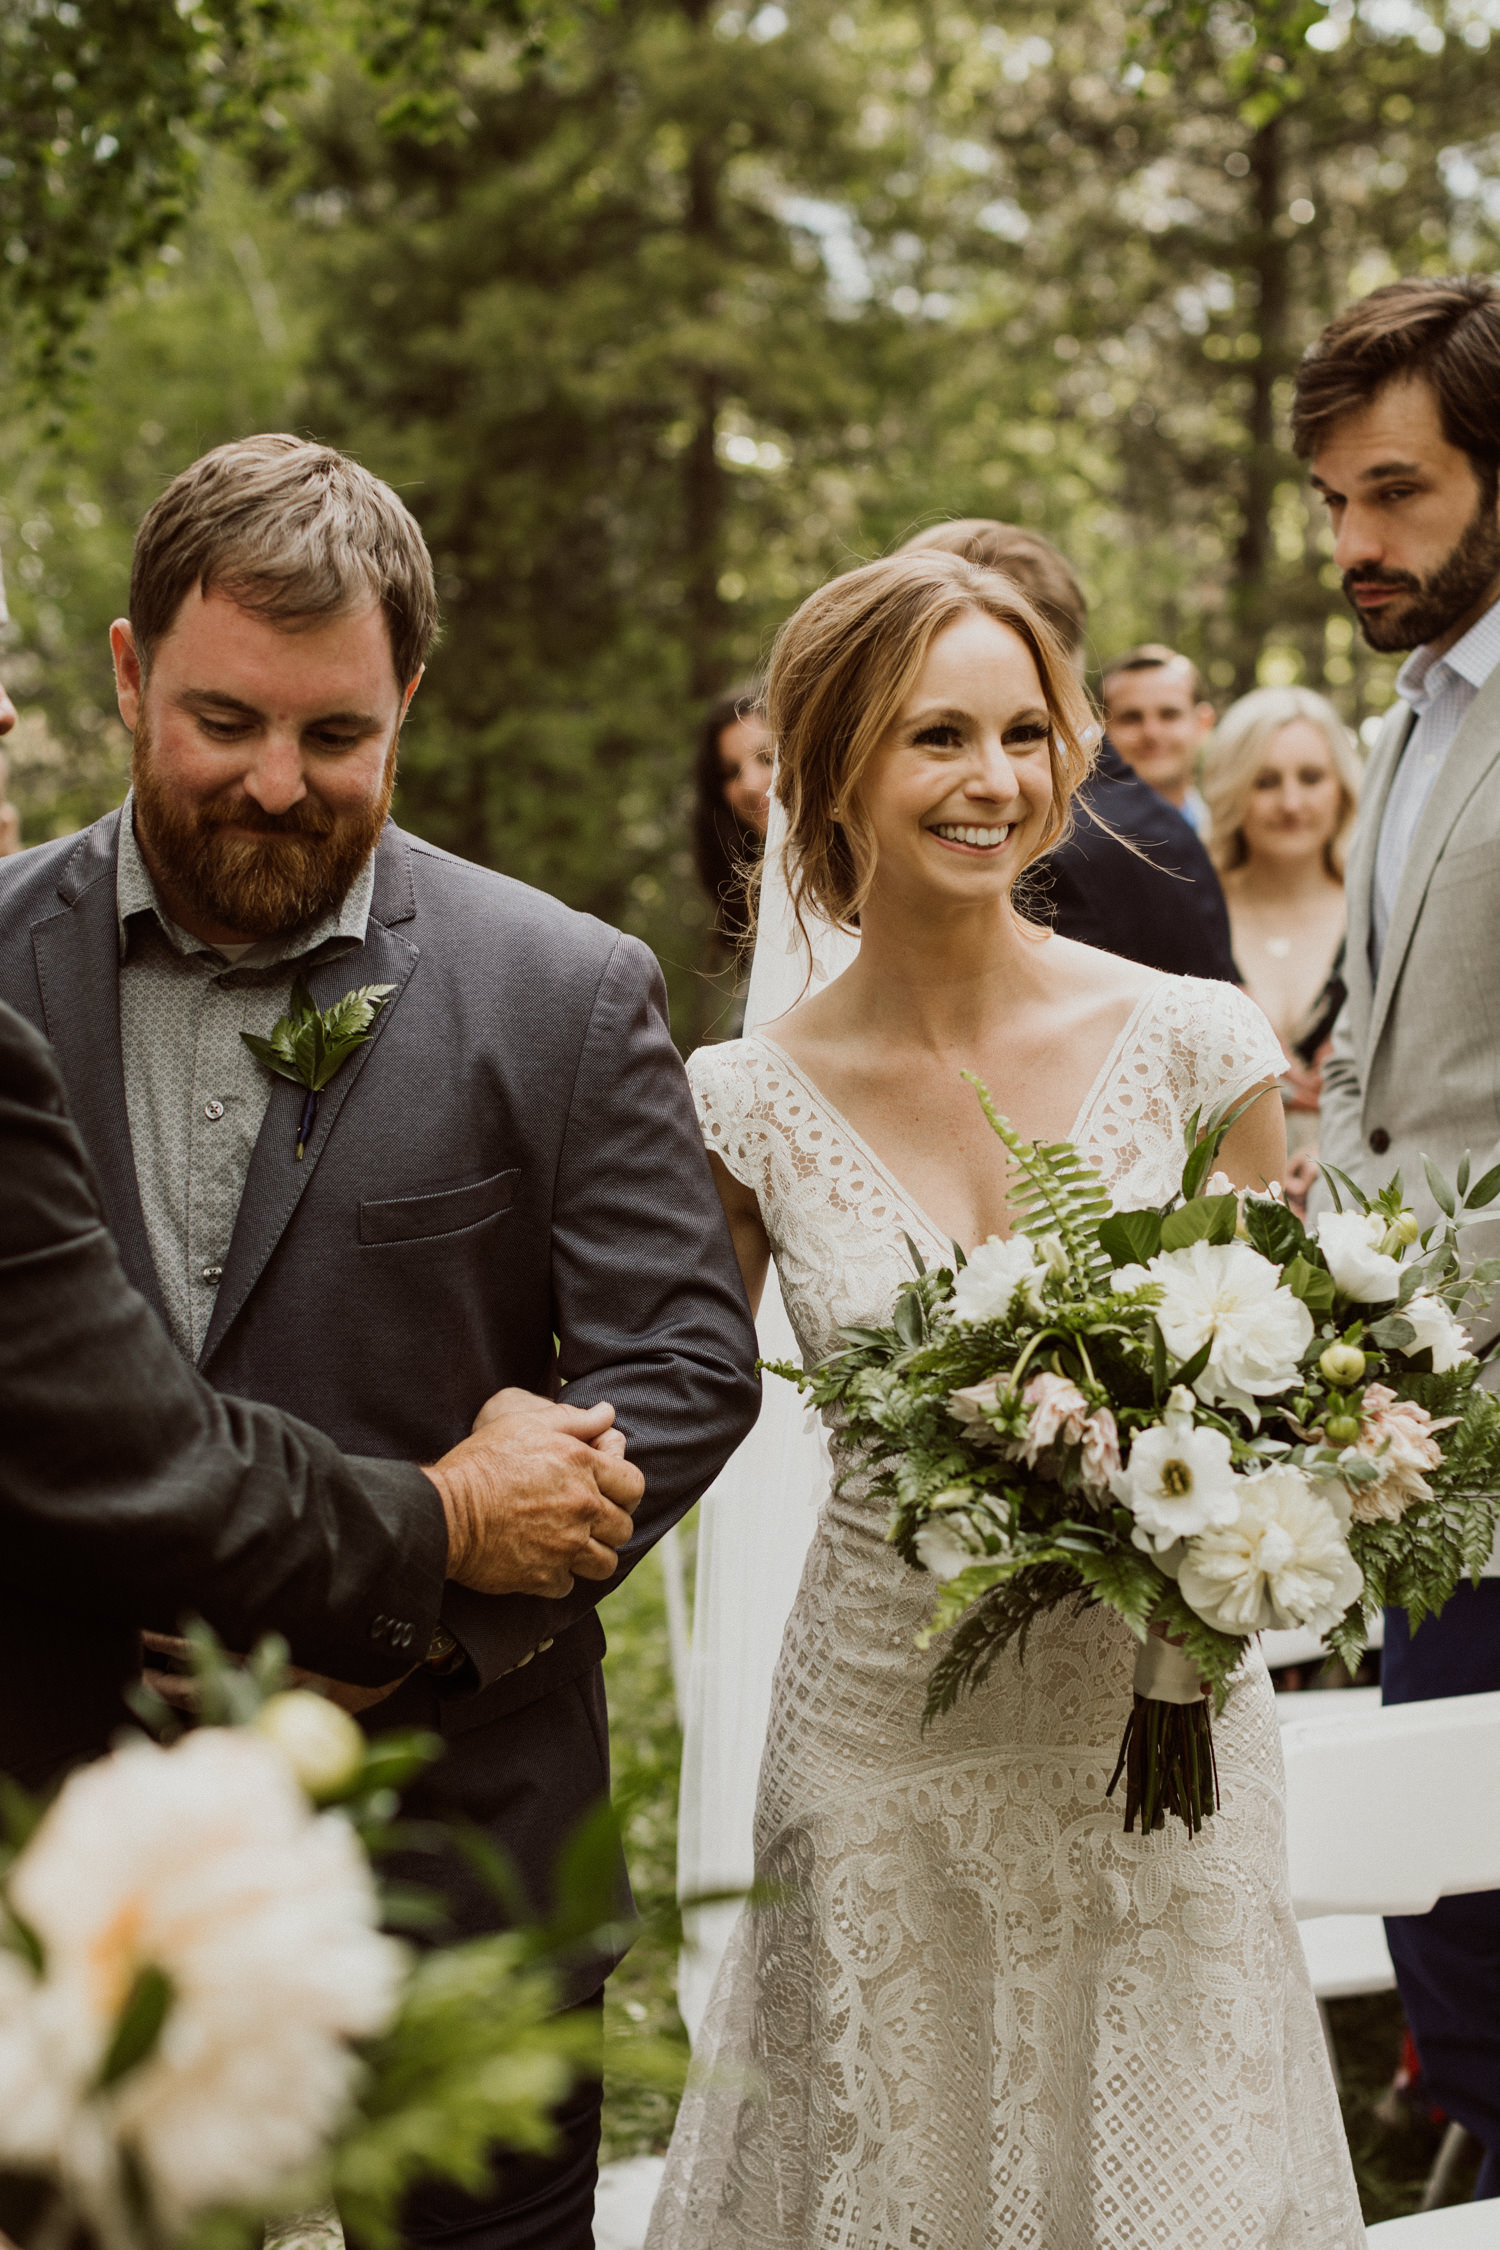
(873, 1157)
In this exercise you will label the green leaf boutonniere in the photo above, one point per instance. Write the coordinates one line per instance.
(309, 1043)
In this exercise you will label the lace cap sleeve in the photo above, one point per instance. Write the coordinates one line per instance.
(1234, 1045)
(722, 1079)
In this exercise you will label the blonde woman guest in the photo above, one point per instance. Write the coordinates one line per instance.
(1281, 782)
(975, 2011)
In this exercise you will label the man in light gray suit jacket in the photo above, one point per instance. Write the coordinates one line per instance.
(1398, 410)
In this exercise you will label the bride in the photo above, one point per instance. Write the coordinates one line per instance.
(975, 2013)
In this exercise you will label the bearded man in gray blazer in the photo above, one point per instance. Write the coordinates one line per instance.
(1398, 410)
(501, 1188)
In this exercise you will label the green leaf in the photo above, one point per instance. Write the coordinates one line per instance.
(1337, 1179)
(1127, 1582)
(908, 1321)
(1273, 1230)
(1392, 1334)
(1462, 1182)
(916, 1256)
(1313, 1284)
(1188, 1373)
(1208, 1218)
(138, 2025)
(274, 1057)
(1442, 1194)
(310, 1048)
(1131, 1238)
(1484, 1191)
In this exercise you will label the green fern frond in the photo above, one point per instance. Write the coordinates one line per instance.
(1054, 1191)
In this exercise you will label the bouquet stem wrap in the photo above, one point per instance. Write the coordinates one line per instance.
(1167, 1754)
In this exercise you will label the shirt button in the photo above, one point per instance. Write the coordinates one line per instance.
(1380, 1140)
(213, 1111)
(213, 1273)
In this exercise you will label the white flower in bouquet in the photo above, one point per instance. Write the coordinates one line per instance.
(1226, 1295)
(1283, 1561)
(1351, 1243)
(943, 1547)
(1059, 1412)
(987, 1286)
(1397, 1435)
(1178, 1479)
(1438, 1331)
(206, 1864)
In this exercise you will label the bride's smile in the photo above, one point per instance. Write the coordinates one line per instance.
(960, 787)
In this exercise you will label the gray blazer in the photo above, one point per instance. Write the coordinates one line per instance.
(1415, 1065)
(505, 1185)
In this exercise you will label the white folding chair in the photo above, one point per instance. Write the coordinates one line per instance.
(1463, 2226)
(1384, 1817)
(1383, 1812)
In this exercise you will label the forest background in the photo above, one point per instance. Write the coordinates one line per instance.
(659, 312)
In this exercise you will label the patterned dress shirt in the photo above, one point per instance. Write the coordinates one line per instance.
(1439, 690)
(194, 1094)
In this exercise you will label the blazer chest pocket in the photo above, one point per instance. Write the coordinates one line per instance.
(419, 1218)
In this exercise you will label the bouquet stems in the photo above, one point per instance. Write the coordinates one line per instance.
(1167, 1752)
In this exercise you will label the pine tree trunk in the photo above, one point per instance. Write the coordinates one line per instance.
(1269, 261)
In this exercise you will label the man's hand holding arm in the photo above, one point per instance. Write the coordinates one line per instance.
(538, 1496)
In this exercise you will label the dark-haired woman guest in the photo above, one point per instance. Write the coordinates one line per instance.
(731, 807)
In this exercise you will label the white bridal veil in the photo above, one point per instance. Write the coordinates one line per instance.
(754, 1526)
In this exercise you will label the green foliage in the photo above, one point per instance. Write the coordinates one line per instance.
(102, 107)
(1208, 1218)
(309, 1044)
(476, 2056)
(1052, 1189)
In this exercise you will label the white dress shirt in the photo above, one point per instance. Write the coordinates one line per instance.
(1439, 690)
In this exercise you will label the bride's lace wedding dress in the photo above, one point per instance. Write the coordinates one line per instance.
(977, 2015)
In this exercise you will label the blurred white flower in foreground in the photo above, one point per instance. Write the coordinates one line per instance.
(1282, 1562)
(204, 1864)
(1226, 1295)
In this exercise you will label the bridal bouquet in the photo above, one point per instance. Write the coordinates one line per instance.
(1201, 1415)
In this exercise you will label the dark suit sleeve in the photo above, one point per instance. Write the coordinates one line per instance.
(650, 1308)
(129, 1490)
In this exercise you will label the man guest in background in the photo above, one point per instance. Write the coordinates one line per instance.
(502, 1186)
(1159, 720)
(1131, 876)
(1398, 412)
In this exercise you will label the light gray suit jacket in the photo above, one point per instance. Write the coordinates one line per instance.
(1415, 1065)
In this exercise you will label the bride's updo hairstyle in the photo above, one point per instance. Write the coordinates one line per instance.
(840, 672)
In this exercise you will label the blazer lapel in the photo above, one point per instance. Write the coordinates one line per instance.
(276, 1181)
(77, 952)
(1359, 876)
(1475, 749)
